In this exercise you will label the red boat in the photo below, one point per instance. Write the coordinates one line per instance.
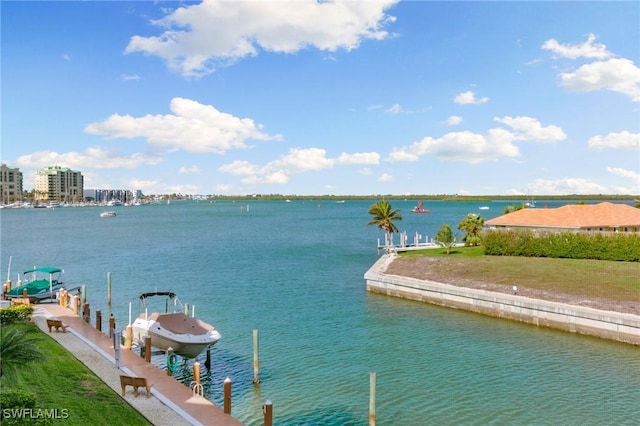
(419, 209)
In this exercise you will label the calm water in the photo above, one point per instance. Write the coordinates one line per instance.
(294, 271)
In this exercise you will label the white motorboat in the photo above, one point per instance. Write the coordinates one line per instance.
(186, 335)
(108, 214)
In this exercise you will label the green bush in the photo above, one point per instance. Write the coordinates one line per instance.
(570, 245)
(15, 313)
(18, 407)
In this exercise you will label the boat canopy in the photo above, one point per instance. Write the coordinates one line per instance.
(46, 269)
(169, 294)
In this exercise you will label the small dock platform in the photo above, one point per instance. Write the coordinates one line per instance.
(184, 407)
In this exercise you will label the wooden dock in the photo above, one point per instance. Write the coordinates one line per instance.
(192, 409)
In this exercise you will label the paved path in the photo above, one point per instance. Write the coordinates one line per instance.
(171, 403)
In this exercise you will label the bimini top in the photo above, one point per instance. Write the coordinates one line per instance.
(46, 269)
(169, 294)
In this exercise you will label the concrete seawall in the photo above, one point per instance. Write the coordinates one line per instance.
(576, 319)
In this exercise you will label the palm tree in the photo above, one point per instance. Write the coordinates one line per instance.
(446, 238)
(472, 224)
(16, 350)
(384, 217)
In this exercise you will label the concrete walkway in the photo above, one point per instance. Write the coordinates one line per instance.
(171, 403)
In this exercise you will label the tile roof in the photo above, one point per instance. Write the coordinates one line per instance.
(572, 216)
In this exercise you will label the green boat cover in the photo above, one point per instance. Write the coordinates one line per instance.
(33, 288)
(46, 270)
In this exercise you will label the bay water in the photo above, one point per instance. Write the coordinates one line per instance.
(294, 272)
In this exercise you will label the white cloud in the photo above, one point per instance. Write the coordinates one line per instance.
(191, 170)
(365, 171)
(222, 187)
(468, 97)
(193, 127)
(66, 56)
(300, 160)
(588, 49)
(395, 109)
(629, 174)
(475, 147)
(91, 158)
(240, 167)
(622, 140)
(528, 128)
(616, 74)
(200, 38)
(359, 158)
(454, 120)
(569, 185)
(296, 161)
(385, 177)
(130, 77)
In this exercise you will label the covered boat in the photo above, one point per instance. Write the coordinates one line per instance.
(186, 335)
(39, 288)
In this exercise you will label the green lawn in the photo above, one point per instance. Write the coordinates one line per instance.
(64, 383)
(588, 278)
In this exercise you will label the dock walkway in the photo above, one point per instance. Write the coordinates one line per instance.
(171, 403)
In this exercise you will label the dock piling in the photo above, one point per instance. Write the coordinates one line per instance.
(109, 288)
(372, 398)
(147, 349)
(227, 395)
(267, 410)
(207, 363)
(86, 313)
(256, 360)
(129, 337)
(112, 325)
(196, 372)
(99, 320)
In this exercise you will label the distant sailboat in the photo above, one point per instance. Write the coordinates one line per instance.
(419, 209)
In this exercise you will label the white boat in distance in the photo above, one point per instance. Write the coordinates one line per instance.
(108, 214)
(187, 336)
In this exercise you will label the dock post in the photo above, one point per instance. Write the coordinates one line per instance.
(207, 363)
(372, 398)
(267, 409)
(147, 349)
(83, 293)
(196, 372)
(74, 304)
(256, 360)
(112, 325)
(109, 288)
(99, 320)
(227, 395)
(86, 313)
(129, 337)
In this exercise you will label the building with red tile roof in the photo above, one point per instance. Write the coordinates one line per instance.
(602, 217)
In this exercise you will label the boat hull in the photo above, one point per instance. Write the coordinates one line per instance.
(186, 336)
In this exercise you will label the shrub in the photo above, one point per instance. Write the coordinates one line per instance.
(15, 313)
(15, 403)
(571, 245)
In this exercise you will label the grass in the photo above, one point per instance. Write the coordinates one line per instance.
(579, 277)
(64, 383)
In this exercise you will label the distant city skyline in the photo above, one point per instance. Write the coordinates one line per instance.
(314, 98)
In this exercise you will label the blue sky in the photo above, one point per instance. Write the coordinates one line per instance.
(311, 98)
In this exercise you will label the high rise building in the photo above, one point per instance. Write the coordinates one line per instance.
(59, 184)
(10, 184)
